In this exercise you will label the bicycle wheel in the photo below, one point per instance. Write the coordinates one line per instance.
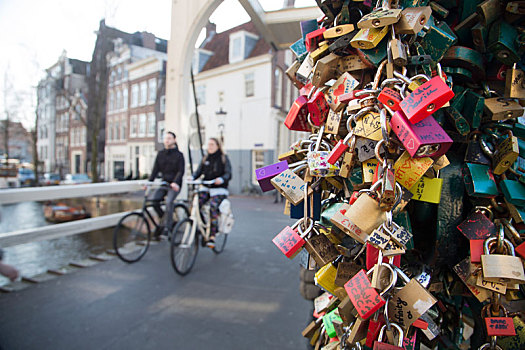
(180, 212)
(131, 237)
(220, 242)
(183, 254)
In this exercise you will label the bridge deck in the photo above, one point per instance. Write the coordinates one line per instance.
(245, 298)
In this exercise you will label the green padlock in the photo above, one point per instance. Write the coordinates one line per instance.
(479, 181)
(459, 122)
(514, 192)
(479, 37)
(474, 104)
(328, 322)
(327, 211)
(502, 43)
(438, 40)
(377, 54)
(517, 341)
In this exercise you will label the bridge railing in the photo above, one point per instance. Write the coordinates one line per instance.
(11, 196)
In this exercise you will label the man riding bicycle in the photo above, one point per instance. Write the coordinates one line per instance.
(170, 163)
(214, 166)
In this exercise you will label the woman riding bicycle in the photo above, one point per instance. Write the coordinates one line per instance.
(214, 166)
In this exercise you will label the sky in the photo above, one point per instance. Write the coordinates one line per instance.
(33, 34)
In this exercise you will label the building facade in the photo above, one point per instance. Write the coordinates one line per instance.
(58, 110)
(135, 94)
(244, 96)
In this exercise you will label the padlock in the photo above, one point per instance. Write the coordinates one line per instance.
(376, 55)
(474, 153)
(333, 122)
(298, 48)
(459, 121)
(379, 18)
(390, 98)
(412, 20)
(426, 99)
(489, 11)
(328, 321)
(350, 63)
(322, 51)
(463, 270)
(437, 41)
(307, 26)
(344, 84)
(499, 108)
(348, 161)
(344, 224)
(466, 58)
(380, 345)
(372, 255)
(502, 43)
(474, 105)
(325, 278)
(409, 170)
(266, 173)
(366, 148)
(367, 224)
(339, 149)
(410, 302)
(497, 326)
(379, 238)
(297, 118)
(425, 138)
(479, 37)
(290, 241)
(313, 39)
(502, 268)
(320, 248)
(306, 68)
(324, 70)
(368, 38)
(427, 190)
(318, 108)
(398, 51)
(290, 73)
(290, 186)
(337, 31)
(479, 181)
(374, 327)
(365, 299)
(515, 83)
(514, 192)
(368, 124)
(345, 271)
(478, 226)
(320, 166)
(505, 155)
(492, 286)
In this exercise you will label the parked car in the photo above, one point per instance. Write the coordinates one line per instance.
(26, 177)
(76, 179)
(49, 179)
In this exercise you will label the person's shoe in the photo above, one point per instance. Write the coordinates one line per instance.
(210, 244)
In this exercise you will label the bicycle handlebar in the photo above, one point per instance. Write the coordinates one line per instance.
(155, 184)
(200, 182)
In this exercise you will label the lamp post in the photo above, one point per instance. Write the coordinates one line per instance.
(221, 118)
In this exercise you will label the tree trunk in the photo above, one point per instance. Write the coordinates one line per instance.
(94, 148)
(34, 138)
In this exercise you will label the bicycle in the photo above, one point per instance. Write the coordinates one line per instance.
(188, 232)
(132, 235)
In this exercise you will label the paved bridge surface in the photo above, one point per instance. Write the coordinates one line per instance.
(246, 298)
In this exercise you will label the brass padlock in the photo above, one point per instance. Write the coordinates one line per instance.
(499, 108)
(366, 223)
(320, 248)
(368, 38)
(380, 345)
(506, 154)
(515, 83)
(380, 18)
(413, 19)
(502, 268)
(324, 70)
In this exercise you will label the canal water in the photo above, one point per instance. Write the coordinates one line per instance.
(34, 258)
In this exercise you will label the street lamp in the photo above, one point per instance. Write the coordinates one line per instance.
(221, 118)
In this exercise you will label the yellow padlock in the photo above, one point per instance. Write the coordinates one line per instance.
(368, 38)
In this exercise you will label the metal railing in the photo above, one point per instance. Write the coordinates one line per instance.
(11, 196)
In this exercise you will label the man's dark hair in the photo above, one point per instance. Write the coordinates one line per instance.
(172, 134)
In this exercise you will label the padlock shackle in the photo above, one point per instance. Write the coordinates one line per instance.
(399, 330)
(491, 240)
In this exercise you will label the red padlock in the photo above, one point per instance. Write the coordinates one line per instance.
(500, 326)
(318, 108)
(521, 250)
(314, 38)
(374, 327)
(297, 118)
(372, 254)
(390, 98)
(365, 299)
(476, 250)
(339, 149)
(426, 99)
(423, 139)
(289, 241)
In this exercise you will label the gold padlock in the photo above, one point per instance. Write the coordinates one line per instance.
(506, 154)
(499, 108)
(368, 38)
(379, 18)
(413, 19)
(324, 69)
(320, 248)
(501, 268)
(350, 63)
(515, 83)
(366, 223)
(290, 73)
(338, 31)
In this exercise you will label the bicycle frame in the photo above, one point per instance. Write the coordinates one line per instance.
(195, 216)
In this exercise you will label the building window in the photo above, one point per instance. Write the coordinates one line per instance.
(249, 84)
(163, 104)
(110, 131)
(133, 126)
(152, 90)
(142, 125)
(118, 104)
(143, 93)
(235, 49)
(201, 94)
(111, 101)
(117, 130)
(257, 162)
(278, 87)
(151, 124)
(134, 95)
(125, 97)
(123, 135)
(160, 131)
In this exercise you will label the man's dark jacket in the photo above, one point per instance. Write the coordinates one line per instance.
(169, 162)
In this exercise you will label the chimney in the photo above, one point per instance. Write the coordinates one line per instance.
(211, 29)
(148, 40)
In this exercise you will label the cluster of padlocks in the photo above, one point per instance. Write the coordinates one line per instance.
(408, 187)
